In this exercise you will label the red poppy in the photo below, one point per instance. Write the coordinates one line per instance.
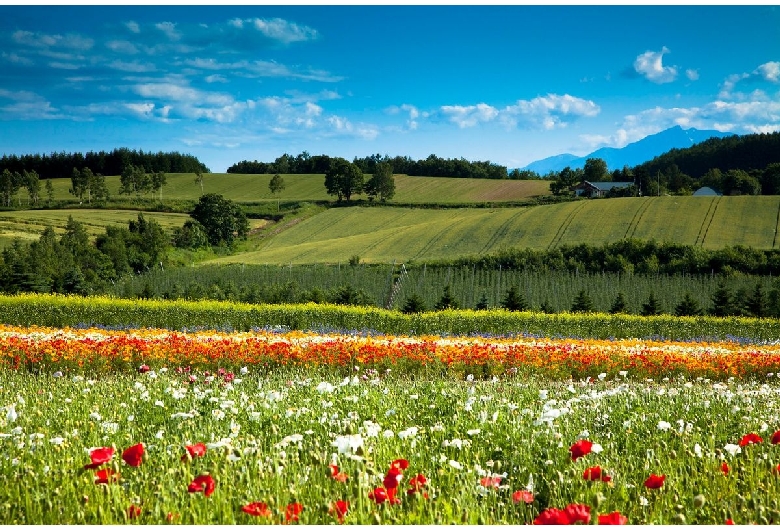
(257, 509)
(613, 518)
(580, 448)
(104, 476)
(655, 481)
(339, 509)
(292, 512)
(490, 482)
(725, 468)
(393, 478)
(400, 463)
(523, 496)
(100, 456)
(552, 516)
(578, 513)
(751, 438)
(729, 521)
(379, 495)
(776, 438)
(133, 511)
(132, 455)
(417, 484)
(143, 368)
(204, 483)
(194, 451)
(596, 473)
(340, 476)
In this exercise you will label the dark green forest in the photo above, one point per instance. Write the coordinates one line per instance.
(60, 165)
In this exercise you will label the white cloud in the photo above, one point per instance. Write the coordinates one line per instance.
(216, 78)
(133, 27)
(282, 30)
(169, 28)
(42, 40)
(692, 74)
(16, 59)
(769, 71)
(64, 66)
(471, 115)
(755, 115)
(122, 46)
(262, 69)
(548, 112)
(27, 105)
(134, 66)
(649, 64)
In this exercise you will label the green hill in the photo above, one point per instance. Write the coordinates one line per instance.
(384, 234)
(254, 188)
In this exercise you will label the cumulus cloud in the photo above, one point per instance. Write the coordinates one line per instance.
(255, 69)
(543, 112)
(133, 27)
(692, 74)
(768, 72)
(650, 65)
(42, 40)
(16, 59)
(470, 115)
(122, 46)
(134, 66)
(169, 29)
(283, 31)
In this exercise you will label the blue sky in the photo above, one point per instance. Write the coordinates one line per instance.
(510, 84)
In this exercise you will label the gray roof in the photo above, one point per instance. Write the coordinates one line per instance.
(606, 186)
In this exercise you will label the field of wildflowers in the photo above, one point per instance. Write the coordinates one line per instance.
(159, 427)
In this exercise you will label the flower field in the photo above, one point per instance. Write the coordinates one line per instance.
(160, 427)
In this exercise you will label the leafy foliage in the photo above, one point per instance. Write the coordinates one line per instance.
(343, 179)
(221, 218)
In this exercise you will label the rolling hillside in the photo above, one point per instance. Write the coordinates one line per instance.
(28, 225)
(393, 234)
(254, 188)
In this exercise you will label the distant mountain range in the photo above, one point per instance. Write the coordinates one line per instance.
(632, 154)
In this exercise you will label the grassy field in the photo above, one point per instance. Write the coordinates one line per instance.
(253, 188)
(28, 225)
(393, 234)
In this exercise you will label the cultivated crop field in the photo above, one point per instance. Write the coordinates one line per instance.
(391, 234)
(28, 225)
(158, 427)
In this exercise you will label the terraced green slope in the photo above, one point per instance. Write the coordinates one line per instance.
(394, 234)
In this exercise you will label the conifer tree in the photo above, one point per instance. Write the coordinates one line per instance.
(514, 300)
(582, 303)
(619, 305)
(688, 307)
(651, 307)
(721, 302)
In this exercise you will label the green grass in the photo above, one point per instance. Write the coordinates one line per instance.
(384, 234)
(252, 188)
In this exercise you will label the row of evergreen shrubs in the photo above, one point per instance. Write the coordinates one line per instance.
(723, 304)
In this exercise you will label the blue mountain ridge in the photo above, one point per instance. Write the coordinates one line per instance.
(632, 154)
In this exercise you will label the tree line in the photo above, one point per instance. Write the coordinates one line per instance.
(433, 166)
(735, 165)
(629, 256)
(60, 165)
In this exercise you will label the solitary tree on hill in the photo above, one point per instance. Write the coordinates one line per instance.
(276, 185)
(343, 179)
